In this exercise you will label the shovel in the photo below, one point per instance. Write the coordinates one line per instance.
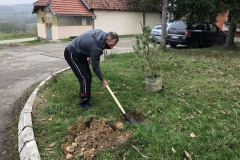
(132, 120)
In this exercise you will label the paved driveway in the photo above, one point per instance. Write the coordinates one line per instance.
(23, 66)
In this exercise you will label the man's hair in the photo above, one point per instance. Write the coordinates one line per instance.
(113, 35)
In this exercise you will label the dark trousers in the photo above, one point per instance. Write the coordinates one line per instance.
(81, 69)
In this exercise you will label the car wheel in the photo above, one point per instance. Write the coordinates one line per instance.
(173, 45)
(195, 44)
(222, 41)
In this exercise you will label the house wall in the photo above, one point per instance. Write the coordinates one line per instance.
(41, 24)
(41, 30)
(59, 32)
(123, 22)
(221, 19)
(153, 18)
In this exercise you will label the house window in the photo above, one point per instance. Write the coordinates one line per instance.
(48, 20)
(75, 21)
(66, 21)
(83, 21)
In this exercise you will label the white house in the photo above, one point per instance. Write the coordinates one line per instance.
(59, 19)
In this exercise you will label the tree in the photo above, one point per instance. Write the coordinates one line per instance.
(196, 11)
(148, 60)
(9, 27)
(144, 5)
(153, 5)
(164, 22)
(233, 8)
(201, 10)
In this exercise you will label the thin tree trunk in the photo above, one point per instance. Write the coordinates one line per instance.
(164, 22)
(231, 34)
(144, 18)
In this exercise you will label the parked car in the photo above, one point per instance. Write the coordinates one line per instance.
(194, 35)
(156, 32)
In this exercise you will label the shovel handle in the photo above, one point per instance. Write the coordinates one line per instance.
(114, 97)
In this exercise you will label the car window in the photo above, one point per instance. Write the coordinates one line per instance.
(178, 26)
(203, 27)
(168, 25)
(198, 27)
(213, 27)
(194, 26)
(158, 26)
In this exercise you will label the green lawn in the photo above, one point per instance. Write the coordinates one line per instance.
(7, 36)
(197, 111)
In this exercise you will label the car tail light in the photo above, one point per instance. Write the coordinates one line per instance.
(188, 33)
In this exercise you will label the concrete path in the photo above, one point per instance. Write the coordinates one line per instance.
(20, 68)
(17, 40)
(23, 66)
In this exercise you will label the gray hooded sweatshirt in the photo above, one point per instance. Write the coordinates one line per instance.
(90, 44)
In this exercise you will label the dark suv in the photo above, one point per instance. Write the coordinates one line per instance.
(194, 35)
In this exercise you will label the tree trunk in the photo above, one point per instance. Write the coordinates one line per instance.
(169, 19)
(164, 22)
(144, 18)
(231, 34)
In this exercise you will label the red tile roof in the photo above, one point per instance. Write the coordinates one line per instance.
(65, 7)
(81, 7)
(40, 3)
(69, 7)
(108, 4)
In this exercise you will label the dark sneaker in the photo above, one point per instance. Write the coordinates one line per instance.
(86, 105)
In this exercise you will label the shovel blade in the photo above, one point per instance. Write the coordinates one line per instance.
(129, 120)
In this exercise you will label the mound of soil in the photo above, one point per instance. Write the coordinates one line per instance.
(84, 139)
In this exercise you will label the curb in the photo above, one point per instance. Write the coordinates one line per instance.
(27, 146)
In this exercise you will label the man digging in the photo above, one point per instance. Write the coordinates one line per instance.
(84, 50)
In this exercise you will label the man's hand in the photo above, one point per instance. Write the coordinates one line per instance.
(89, 60)
(104, 83)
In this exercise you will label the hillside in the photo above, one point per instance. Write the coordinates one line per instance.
(16, 8)
(18, 13)
(6, 10)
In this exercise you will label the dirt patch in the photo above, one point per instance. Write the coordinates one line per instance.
(85, 138)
